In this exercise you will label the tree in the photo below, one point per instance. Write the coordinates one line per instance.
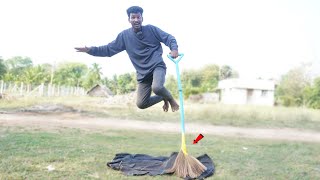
(71, 74)
(16, 66)
(36, 75)
(121, 84)
(3, 68)
(210, 75)
(191, 82)
(126, 83)
(227, 72)
(290, 90)
(172, 85)
(201, 80)
(94, 76)
(312, 94)
(96, 71)
(112, 85)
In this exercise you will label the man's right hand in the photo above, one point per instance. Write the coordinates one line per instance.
(82, 49)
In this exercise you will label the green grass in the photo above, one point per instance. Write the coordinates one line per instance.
(76, 154)
(216, 114)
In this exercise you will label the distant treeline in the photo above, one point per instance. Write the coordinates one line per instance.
(295, 88)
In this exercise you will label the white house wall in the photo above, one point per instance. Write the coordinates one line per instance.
(240, 97)
(242, 91)
(234, 96)
(262, 97)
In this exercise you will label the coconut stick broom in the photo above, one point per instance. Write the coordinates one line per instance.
(184, 165)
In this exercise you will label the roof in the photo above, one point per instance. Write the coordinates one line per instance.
(261, 84)
(104, 88)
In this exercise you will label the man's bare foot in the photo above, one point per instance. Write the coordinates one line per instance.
(165, 106)
(174, 105)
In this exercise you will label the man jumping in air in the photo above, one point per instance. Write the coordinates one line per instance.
(143, 45)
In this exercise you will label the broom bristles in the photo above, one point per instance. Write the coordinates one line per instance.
(186, 165)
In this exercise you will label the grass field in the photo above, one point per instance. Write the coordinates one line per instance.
(76, 154)
(25, 153)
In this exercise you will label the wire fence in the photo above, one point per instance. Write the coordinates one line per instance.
(42, 90)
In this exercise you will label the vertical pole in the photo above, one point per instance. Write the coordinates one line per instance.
(180, 98)
(21, 89)
(49, 90)
(183, 138)
(1, 86)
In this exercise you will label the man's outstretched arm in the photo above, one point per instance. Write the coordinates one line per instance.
(108, 50)
(82, 49)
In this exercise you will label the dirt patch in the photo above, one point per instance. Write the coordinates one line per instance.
(48, 108)
(78, 120)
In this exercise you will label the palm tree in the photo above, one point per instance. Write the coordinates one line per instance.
(96, 71)
(94, 76)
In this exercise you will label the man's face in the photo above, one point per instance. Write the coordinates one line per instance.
(136, 20)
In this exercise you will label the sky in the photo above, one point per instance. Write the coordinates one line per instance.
(257, 38)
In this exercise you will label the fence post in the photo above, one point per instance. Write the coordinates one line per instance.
(14, 89)
(28, 88)
(52, 90)
(41, 88)
(58, 90)
(21, 89)
(1, 86)
(5, 86)
(49, 90)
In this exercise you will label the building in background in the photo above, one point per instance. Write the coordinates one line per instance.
(247, 91)
(100, 91)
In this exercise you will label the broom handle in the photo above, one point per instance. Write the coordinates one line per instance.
(183, 139)
(176, 61)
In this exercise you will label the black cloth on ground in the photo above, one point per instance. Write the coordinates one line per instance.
(142, 164)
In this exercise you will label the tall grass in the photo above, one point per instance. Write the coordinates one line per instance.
(216, 114)
(255, 116)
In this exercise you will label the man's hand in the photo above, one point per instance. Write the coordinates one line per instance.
(174, 53)
(82, 49)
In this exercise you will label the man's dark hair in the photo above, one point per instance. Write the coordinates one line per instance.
(134, 9)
